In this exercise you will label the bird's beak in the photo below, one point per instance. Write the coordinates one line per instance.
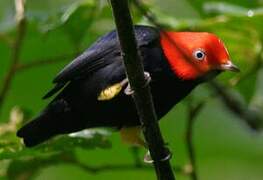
(229, 66)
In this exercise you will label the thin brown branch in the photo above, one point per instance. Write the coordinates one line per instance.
(193, 112)
(41, 62)
(250, 117)
(31, 167)
(255, 68)
(142, 94)
(136, 156)
(16, 49)
(117, 167)
(113, 167)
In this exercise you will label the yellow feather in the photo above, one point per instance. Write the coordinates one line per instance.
(110, 92)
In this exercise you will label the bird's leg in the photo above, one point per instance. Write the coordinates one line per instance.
(113, 90)
(133, 136)
(148, 158)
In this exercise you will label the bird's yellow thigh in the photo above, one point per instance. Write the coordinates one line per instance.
(110, 92)
(132, 136)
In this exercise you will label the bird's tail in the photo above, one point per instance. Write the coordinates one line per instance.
(56, 119)
(38, 130)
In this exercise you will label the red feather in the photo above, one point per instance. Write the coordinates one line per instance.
(179, 48)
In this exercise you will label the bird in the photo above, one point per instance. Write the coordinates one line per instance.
(93, 90)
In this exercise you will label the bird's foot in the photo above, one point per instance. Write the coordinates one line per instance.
(128, 90)
(148, 159)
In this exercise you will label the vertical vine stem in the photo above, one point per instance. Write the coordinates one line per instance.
(142, 94)
(193, 111)
(16, 48)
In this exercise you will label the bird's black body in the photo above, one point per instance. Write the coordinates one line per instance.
(76, 107)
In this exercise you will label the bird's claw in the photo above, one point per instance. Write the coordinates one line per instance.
(147, 77)
(128, 90)
(148, 159)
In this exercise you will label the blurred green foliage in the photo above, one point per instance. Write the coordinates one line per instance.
(58, 30)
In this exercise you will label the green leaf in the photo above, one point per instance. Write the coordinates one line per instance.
(77, 21)
(220, 6)
(11, 148)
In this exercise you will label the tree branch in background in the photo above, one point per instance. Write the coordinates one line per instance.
(148, 14)
(136, 156)
(193, 111)
(16, 48)
(255, 68)
(30, 168)
(142, 94)
(41, 62)
(250, 117)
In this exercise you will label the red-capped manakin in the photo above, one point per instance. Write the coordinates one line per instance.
(94, 91)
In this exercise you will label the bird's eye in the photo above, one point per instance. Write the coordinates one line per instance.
(199, 55)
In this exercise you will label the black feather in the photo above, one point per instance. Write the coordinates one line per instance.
(96, 56)
(56, 88)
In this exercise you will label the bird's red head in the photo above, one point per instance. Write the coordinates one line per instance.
(194, 54)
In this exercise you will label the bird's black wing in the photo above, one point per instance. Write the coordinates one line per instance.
(95, 57)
